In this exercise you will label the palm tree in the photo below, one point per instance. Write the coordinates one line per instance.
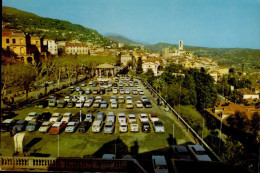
(158, 84)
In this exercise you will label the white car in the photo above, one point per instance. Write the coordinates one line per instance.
(79, 104)
(121, 99)
(144, 98)
(139, 104)
(138, 89)
(122, 91)
(134, 127)
(74, 98)
(121, 118)
(135, 92)
(88, 103)
(89, 117)
(32, 116)
(158, 127)
(127, 91)
(113, 98)
(128, 98)
(131, 118)
(153, 117)
(97, 125)
(55, 117)
(141, 92)
(199, 153)
(143, 117)
(82, 98)
(67, 98)
(129, 104)
(71, 127)
(46, 125)
(90, 82)
(114, 104)
(99, 99)
(111, 117)
(115, 91)
(122, 127)
(66, 117)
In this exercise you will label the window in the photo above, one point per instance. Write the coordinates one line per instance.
(14, 41)
(7, 40)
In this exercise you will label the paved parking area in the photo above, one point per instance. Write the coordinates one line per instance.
(80, 144)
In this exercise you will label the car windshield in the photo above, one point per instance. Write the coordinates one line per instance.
(109, 125)
(158, 123)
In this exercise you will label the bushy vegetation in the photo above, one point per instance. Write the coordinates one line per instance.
(50, 28)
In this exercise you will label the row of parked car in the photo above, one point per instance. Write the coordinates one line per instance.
(57, 122)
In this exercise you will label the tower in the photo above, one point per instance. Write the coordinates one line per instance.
(180, 45)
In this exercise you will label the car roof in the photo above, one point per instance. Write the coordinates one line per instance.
(32, 113)
(46, 123)
(20, 121)
(181, 149)
(71, 123)
(100, 113)
(154, 115)
(56, 124)
(131, 115)
(97, 122)
(109, 123)
(8, 121)
(159, 160)
(198, 147)
(67, 113)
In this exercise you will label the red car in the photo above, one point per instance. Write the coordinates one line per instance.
(57, 127)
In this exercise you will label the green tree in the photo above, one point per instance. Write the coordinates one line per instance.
(190, 86)
(149, 75)
(139, 68)
(239, 120)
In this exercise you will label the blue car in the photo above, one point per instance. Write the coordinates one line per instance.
(32, 126)
(20, 126)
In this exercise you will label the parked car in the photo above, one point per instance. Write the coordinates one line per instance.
(97, 126)
(143, 117)
(111, 117)
(71, 127)
(56, 117)
(121, 99)
(128, 98)
(71, 89)
(88, 103)
(153, 117)
(95, 91)
(20, 126)
(134, 127)
(159, 164)
(70, 104)
(96, 104)
(75, 98)
(32, 126)
(135, 92)
(78, 117)
(42, 104)
(79, 104)
(101, 116)
(99, 98)
(121, 118)
(114, 105)
(104, 104)
(66, 117)
(32, 116)
(181, 152)
(199, 153)
(122, 91)
(115, 91)
(147, 104)
(139, 104)
(158, 127)
(83, 126)
(52, 101)
(109, 128)
(144, 98)
(61, 103)
(123, 127)
(7, 125)
(83, 84)
(88, 91)
(146, 127)
(45, 116)
(46, 125)
(113, 98)
(131, 118)
(102, 91)
(89, 118)
(57, 128)
(78, 88)
(129, 104)
(90, 82)
(67, 98)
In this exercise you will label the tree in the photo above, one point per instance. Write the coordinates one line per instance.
(255, 123)
(139, 68)
(239, 120)
(158, 84)
(189, 84)
(8, 76)
(149, 75)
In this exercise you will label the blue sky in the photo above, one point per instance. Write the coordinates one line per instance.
(208, 23)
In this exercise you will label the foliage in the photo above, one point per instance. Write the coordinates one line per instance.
(139, 68)
(149, 75)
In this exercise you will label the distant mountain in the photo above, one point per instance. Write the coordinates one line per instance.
(50, 28)
(121, 39)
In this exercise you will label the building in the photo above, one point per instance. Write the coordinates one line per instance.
(76, 48)
(37, 41)
(14, 41)
(125, 59)
(247, 94)
(52, 46)
(152, 65)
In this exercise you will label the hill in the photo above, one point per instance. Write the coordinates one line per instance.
(50, 28)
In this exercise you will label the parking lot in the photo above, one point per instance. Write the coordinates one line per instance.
(79, 144)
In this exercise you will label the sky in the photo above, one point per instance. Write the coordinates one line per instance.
(207, 23)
